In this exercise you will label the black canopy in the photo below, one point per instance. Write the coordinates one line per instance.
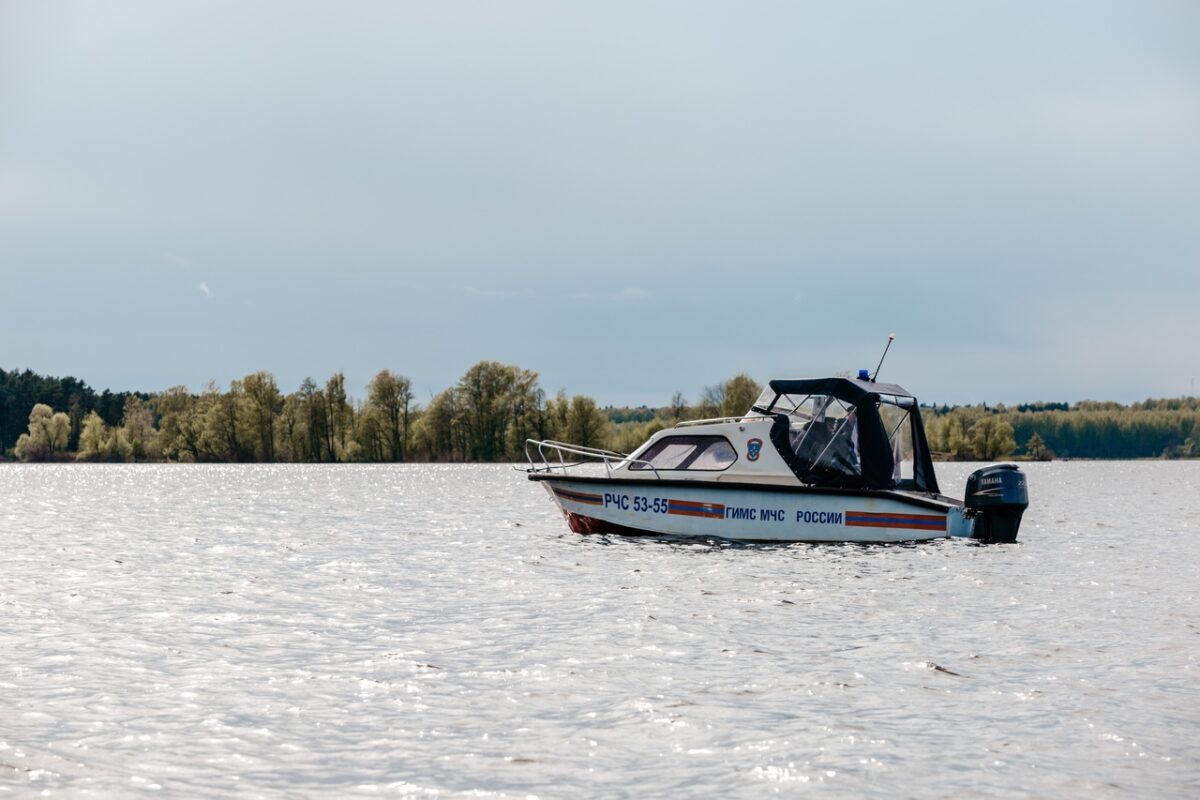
(849, 389)
(877, 467)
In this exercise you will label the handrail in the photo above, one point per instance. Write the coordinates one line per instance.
(750, 417)
(549, 449)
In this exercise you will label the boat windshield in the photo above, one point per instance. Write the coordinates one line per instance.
(822, 434)
(764, 401)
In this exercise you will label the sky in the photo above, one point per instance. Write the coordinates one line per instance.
(630, 198)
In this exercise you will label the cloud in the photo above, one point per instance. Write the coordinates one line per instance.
(204, 290)
(630, 294)
(500, 293)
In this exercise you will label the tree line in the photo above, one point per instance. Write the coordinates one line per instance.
(1166, 428)
(487, 416)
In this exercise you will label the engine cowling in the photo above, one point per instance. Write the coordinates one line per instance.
(997, 496)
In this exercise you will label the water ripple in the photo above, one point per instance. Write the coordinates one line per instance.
(433, 631)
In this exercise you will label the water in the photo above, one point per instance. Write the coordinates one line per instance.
(282, 631)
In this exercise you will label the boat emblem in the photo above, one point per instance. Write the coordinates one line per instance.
(753, 448)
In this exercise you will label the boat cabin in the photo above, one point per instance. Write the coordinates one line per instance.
(849, 433)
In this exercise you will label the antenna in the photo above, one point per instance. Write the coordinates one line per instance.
(891, 338)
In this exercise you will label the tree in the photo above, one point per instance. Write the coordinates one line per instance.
(956, 443)
(219, 440)
(180, 424)
(48, 434)
(261, 404)
(293, 433)
(339, 417)
(20, 391)
(679, 407)
(992, 438)
(488, 415)
(116, 446)
(391, 396)
(739, 395)
(434, 433)
(627, 437)
(586, 425)
(481, 393)
(712, 398)
(75, 412)
(949, 434)
(316, 419)
(370, 441)
(492, 398)
(91, 438)
(1189, 449)
(1037, 450)
(137, 426)
(558, 410)
(360, 445)
(526, 408)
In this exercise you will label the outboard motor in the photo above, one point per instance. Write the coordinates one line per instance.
(996, 499)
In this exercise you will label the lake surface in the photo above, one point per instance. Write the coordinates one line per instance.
(424, 631)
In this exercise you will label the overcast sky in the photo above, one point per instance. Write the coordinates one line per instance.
(629, 198)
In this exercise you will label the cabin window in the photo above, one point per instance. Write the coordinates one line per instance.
(823, 435)
(688, 452)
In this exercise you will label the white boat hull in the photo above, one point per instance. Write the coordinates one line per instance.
(758, 514)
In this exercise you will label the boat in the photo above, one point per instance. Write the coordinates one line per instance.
(839, 459)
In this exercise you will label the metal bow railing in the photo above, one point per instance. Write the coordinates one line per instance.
(550, 456)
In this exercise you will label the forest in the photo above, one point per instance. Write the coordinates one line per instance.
(487, 416)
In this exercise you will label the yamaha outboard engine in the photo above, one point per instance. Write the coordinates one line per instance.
(996, 499)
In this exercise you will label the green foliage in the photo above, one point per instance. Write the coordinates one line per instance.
(137, 428)
(740, 393)
(486, 416)
(315, 421)
(490, 412)
(679, 410)
(219, 427)
(293, 432)
(970, 434)
(1191, 446)
(47, 435)
(261, 404)
(709, 405)
(91, 438)
(628, 436)
(21, 391)
(116, 446)
(1036, 449)
(730, 398)
(1123, 432)
(1166, 428)
(992, 438)
(180, 425)
(388, 412)
(586, 426)
(627, 414)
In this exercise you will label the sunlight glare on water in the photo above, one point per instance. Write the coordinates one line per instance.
(432, 630)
